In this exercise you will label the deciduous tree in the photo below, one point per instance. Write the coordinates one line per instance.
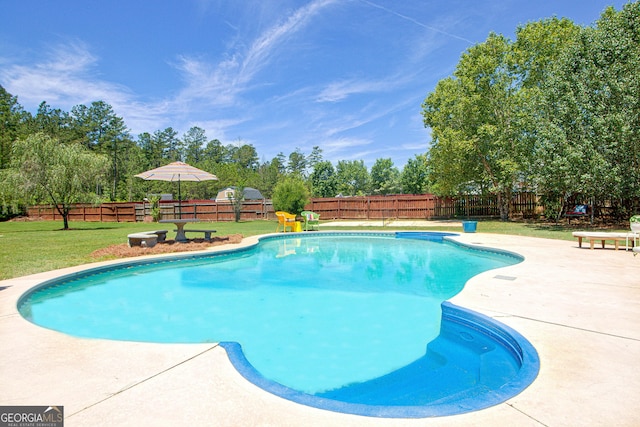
(323, 180)
(483, 119)
(12, 120)
(290, 195)
(385, 177)
(589, 145)
(64, 174)
(352, 178)
(415, 175)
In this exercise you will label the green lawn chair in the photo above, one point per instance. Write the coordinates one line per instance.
(311, 220)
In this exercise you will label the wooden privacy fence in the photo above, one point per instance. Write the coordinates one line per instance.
(106, 212)
(206, 210)
(375, 207)
(419, 206)
(523, 205)
(403, 206)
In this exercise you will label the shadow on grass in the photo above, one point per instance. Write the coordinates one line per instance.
(88, 229)
(43, 229)
(552, 227)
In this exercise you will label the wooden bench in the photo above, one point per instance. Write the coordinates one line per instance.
(602, 237)
(207, 233)
(147, 240)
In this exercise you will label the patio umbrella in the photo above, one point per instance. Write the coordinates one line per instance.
(177, 171)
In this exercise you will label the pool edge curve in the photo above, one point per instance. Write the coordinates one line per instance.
(502, 334)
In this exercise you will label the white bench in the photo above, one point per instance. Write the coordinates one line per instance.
(147, 239)
(207, 233)
(593, 236)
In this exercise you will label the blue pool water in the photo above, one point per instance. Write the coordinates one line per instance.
(323, 319)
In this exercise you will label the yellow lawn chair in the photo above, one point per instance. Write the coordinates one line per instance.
(286, 220)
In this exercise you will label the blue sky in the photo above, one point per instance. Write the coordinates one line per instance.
(346, 75)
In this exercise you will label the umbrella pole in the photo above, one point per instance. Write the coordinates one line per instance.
(179, 200)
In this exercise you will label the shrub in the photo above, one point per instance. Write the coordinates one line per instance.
(290, 195)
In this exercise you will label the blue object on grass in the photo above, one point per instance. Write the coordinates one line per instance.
(469, 226)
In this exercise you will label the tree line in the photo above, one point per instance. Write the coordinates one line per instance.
(98, 130)
(555, 111)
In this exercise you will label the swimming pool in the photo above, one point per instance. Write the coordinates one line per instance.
(320, 318)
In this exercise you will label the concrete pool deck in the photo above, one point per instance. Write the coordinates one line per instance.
(580, 309)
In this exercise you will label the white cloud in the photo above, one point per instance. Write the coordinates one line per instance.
(221, 83)
(144, 117)
(415, 146)
(64, 77)
(212, 84)
(339, 91)
(264, 45)
(342, 148)
(217, 129)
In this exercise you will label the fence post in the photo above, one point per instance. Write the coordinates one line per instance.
(426, 206)
(466, 205)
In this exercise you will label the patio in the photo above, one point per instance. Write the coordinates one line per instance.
(580, 308)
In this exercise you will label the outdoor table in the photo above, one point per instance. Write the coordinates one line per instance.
(180, 236)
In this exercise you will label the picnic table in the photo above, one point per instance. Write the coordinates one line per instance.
(179, 223)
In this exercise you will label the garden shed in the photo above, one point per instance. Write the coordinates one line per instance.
(228, 194)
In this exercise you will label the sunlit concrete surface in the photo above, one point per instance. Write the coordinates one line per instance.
(580, 308)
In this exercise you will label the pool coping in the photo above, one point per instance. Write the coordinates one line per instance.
(517, 345)
(579, 308)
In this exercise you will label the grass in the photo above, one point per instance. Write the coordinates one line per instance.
(35, 246)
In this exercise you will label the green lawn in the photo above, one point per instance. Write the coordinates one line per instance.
(36, 246)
